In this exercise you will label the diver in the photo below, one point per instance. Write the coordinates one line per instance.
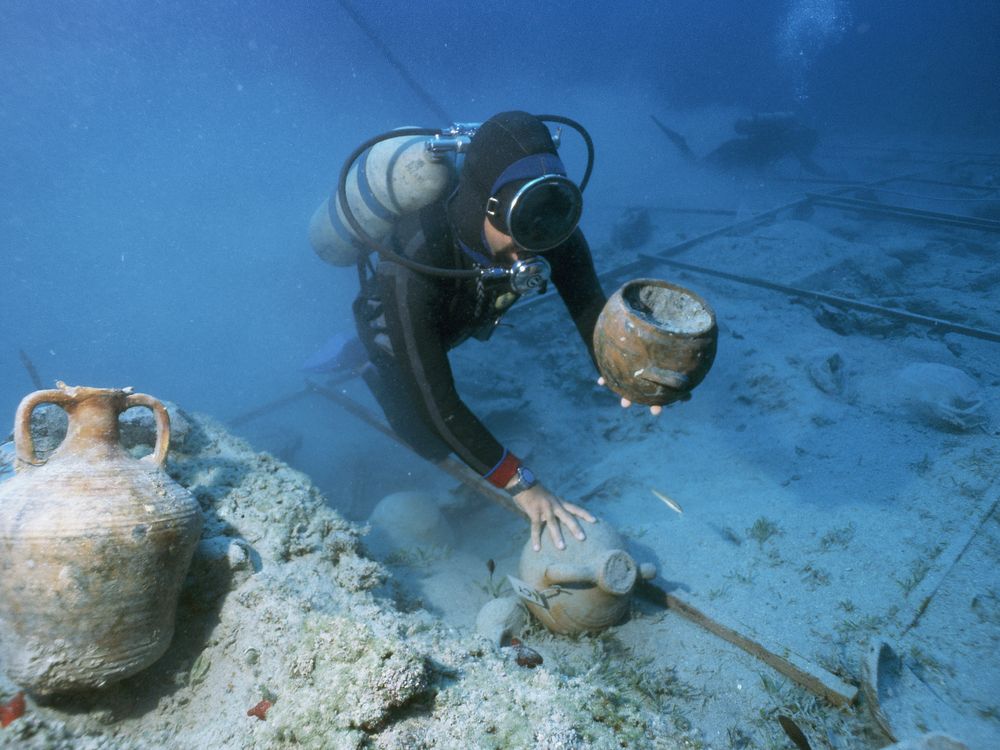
(509, 227)
(762, 141)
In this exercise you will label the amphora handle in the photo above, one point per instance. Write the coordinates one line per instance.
(25, 445)
(23, 442)
(159, 454)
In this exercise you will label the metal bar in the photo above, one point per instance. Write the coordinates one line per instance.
(945, 183)
(902, 212)
(644, 261)
(926, 152)
(856, 184)
(32, 372)
(375, 39)
(936, 324)
(268, 407)
(278, 403)
(682, 210)
(943, 565)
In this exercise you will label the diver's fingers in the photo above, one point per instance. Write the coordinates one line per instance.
(576, 510)
(536, 534)
(626, 403)
(571, 523)
(655, 410)
(555, 532)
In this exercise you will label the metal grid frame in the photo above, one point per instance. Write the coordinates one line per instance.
(835, 199)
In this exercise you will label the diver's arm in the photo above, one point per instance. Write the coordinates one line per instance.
(411, 302)
(576, 279)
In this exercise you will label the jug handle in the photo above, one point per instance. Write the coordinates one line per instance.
(159, 454)
(23, 441)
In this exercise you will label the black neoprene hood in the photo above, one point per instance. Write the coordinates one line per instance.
(500, 141)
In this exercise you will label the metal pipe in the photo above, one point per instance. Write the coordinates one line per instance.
(960, 185)
(902, 212)
(421, 92)
(935, 324)
(926, 152)
(32, 372)
(862, 185)
(682, 210)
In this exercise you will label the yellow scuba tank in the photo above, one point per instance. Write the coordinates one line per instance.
(395, 176)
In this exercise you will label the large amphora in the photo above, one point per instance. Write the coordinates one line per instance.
(94, 547)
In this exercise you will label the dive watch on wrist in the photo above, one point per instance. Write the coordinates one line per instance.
(525, 481)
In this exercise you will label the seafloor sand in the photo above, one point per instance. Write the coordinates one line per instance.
(836, 491)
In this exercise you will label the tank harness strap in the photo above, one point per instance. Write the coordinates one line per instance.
(367, 194)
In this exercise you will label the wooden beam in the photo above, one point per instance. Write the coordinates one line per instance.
(812, 677)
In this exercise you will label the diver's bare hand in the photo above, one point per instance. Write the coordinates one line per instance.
(655, 409)
(542, 507)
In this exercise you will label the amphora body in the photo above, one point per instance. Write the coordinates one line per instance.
(94, 547)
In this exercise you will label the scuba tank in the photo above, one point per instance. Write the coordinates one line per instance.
(393, 174)
(396, 176)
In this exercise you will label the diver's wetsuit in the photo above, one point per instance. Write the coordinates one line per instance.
(409, 321)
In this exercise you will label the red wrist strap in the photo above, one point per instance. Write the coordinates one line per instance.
(504, 471)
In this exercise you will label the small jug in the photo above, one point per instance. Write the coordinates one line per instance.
(655, 341)
(584, 588)
(94, 547)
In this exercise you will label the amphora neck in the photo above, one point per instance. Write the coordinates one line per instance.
(93, 420)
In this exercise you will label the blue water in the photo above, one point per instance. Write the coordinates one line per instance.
(161, 160)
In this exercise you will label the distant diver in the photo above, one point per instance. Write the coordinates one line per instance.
(762, 141)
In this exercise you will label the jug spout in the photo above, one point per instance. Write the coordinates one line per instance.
(613, 571)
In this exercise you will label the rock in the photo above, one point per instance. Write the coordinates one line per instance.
(941, 396)
(826, 371)
(342, 668)
(408, 519)
(220, 564)
(501, 619)
(633, 229)
(138, 427)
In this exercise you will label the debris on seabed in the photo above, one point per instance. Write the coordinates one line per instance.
(260, 710)
(12, 709)
(524, 655)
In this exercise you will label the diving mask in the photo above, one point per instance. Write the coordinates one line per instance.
(543, 212)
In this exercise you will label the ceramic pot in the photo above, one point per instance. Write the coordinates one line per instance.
(584, 588)
(655, 341)
(94, 547)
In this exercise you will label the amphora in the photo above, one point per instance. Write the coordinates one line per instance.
(584, 588)
(94, 547)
